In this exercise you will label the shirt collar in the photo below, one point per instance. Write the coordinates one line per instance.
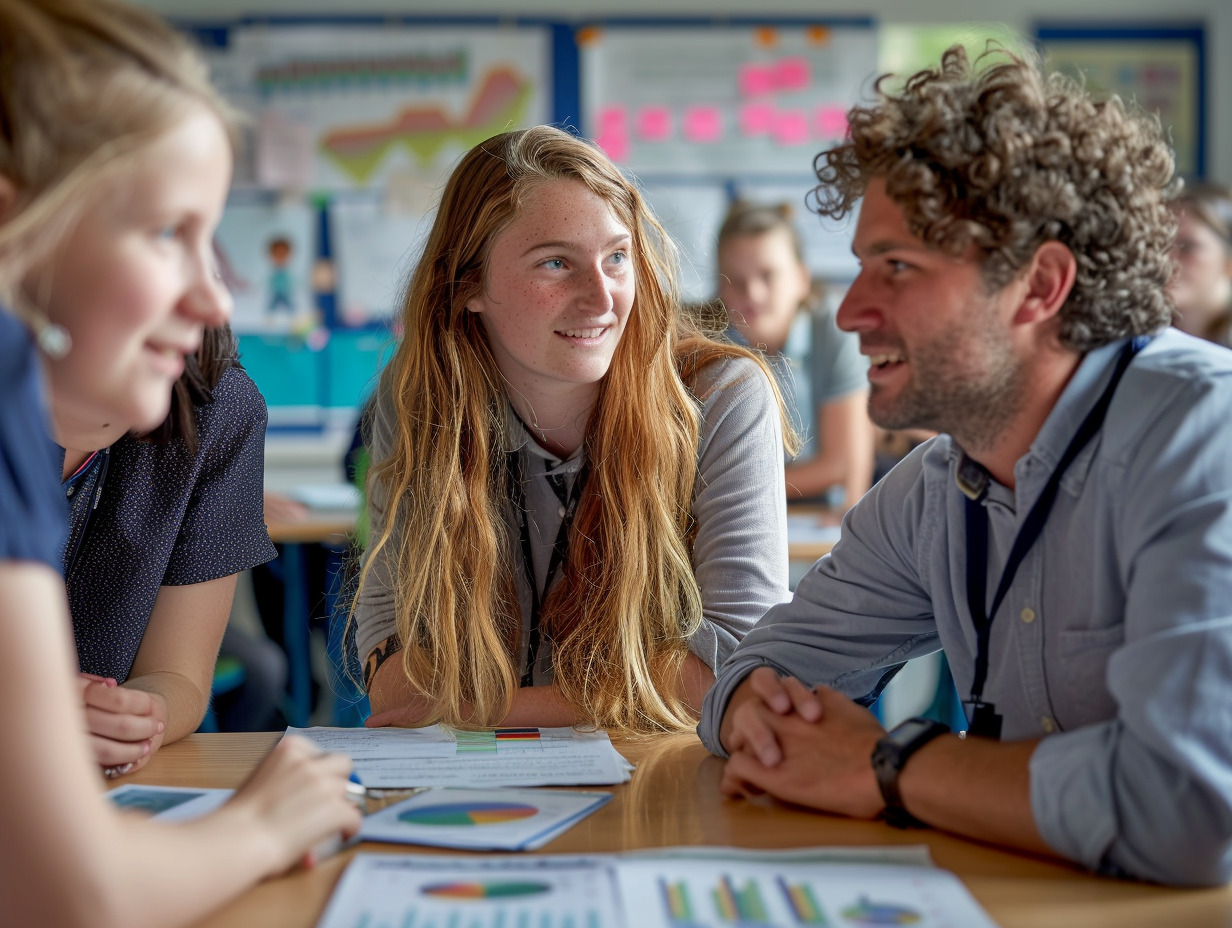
(1080, 394)
(516, 438)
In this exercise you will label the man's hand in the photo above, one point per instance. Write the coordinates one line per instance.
(125, 725)
(762, 696)
(824, 764)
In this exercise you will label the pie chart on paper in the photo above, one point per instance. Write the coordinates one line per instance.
(468, 813)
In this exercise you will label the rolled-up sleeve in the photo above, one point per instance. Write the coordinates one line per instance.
(857, 616)
(1149, 793)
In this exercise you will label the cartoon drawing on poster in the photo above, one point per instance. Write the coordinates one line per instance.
(264, 256)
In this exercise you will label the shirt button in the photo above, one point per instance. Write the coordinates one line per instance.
(1027, 615)
(1048, 725)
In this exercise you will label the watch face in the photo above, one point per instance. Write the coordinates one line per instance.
(909, 730)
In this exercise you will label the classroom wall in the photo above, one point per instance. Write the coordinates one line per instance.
(1216, 14)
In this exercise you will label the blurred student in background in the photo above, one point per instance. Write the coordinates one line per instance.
(1202, 285)
(112, 179)
(773, 304)
(576, 498)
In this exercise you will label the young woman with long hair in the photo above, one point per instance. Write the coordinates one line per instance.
(115, 159)
(577, 498)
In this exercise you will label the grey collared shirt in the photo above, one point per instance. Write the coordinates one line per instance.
(1114, 642)
(739, 504)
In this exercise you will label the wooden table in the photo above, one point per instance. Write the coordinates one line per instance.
(673, 799)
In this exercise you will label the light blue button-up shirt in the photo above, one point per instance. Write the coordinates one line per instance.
(1114, 642)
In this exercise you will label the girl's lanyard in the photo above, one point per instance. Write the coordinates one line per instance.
(985, 722)
(560, 548)
(85, 484)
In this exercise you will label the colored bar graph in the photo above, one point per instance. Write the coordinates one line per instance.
(743, 907)
(803, 903)
(676, 901)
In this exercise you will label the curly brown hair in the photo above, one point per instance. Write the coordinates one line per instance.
(1002, 157)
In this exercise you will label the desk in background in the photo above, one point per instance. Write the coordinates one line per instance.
(673, 799)
(322, 526)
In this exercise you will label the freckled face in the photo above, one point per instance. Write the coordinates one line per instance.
(559, 288)
(762, 283)
(134, 283)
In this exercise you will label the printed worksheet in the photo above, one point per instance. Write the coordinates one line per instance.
(400, 758)
(387, 891)
(670, 889)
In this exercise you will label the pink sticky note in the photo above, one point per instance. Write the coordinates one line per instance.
(791, 127)
(831, 122)
(792, 74)
(756, 119)
(613, 119)
(755, 80)
(703, 124)
(616, 144)
(654, 123)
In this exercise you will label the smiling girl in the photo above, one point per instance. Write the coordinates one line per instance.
(577, 499)
(115, 157)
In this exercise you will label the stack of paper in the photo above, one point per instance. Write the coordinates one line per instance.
(672, 890)
(482, 820)
(401, 758)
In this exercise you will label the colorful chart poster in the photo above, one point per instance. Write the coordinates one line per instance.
(265, 253)
(358, 107)
(722, 100)
(384, 891)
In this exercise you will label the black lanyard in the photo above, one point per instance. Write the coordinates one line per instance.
(985, 722)
(560, 548)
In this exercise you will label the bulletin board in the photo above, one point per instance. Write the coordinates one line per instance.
(703, 112)
(354, 124)
(1160, 68)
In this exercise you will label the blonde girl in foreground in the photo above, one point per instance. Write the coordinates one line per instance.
(115, 158)
(577, 498)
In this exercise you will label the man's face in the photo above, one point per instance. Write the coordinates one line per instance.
(939, 344)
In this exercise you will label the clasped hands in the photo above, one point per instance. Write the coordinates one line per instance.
(125, 725)
(811, 747)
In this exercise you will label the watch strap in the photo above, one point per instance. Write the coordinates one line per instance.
(890, 756)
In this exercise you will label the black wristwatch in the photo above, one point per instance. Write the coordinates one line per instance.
(890, 756)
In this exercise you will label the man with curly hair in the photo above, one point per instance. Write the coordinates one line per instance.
(1067, 541)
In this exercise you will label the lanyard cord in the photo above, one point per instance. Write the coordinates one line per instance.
(1032, 528)
(560, 548)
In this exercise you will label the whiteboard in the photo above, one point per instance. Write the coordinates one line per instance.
(729, 101)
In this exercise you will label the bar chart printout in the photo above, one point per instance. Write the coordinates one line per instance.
(682, 893)
(384, 891)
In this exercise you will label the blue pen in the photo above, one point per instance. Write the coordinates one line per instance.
(357, 792)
